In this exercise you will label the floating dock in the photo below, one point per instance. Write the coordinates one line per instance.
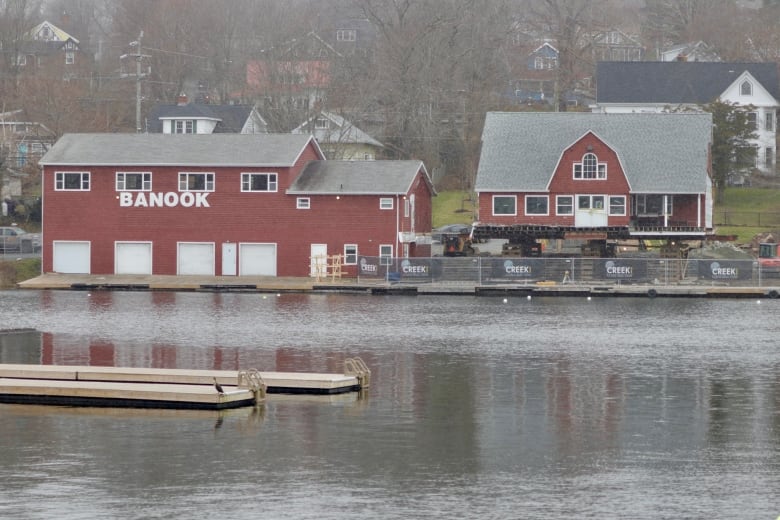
(166, 388)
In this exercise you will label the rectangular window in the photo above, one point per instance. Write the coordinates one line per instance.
(70, 58)
(259, 182)
(769, 122)
(504, 205)
(184, 127)
(536, 205)
(133, 181)
(385, 254)
(752, 118)
(769, 157)
(564, 205)
(385, 203)
(321, 123)
(346, 35)
(196, 181)
(71, 181)
(653, 204)
(617, 205)
(350, 254)
(303, 203)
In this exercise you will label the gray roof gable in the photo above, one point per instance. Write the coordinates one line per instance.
(177, 150)
(666, 153)
(358, 178)
(676, 82)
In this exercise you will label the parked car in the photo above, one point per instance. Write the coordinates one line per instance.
(438, 234)
(14, 239)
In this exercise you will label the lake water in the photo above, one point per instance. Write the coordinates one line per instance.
(479, 408)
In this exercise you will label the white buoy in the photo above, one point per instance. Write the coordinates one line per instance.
(505, 300)
(528, 297)
(588, 298)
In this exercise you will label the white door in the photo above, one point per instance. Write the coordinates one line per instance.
(591, 211)
(196, 258)
(319, 260)
(257, 259)
(229, 259)
(71, 257)
(133, 258)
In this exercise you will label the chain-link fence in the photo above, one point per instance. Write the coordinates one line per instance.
(587, 271)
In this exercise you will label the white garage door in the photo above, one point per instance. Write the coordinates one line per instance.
(71, 257)
(196, 258)
(257, 259)
(133, 258)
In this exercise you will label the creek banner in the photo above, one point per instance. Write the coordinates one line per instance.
(726, 270)
(620, 269)
(507, 269)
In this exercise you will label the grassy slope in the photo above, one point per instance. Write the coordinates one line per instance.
(448, 206)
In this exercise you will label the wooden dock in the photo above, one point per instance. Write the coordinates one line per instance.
(165, 388)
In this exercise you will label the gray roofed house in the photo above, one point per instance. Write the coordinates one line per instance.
(339, 138)
(641, 87)
(176, 150)
(358, 178)
(203, 118)
(620, 161)
(659, 152)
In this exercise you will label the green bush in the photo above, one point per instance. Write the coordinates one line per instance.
(15, 271)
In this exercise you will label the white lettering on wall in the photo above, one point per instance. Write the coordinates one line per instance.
(169, 199)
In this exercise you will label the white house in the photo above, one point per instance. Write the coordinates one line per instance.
(636, 87)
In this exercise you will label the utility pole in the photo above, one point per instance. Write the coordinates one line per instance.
(138, 55)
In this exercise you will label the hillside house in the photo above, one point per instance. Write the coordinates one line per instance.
(649, 87)
(224, 204)
(186, 117)
(340, 139)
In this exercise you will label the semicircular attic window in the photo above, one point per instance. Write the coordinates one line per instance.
(746, 89)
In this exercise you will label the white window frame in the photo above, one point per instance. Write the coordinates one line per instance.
(303, 203)
(559, 199)
(70, 58)
(208, 181)
(641, 204)
(527, 198)
(60, 182)
(385, 254)
(346, 35)
(769, 121)
(121, 181)
(350, 254)
(184, 126)
(272, 182)
(746, 88)
(321, 123)
(598, 171)
(386, 203)
(610, 199)
(752, 119)
(513, 198)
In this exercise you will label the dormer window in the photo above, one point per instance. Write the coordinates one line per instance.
(746, 89)
(590, 168)
(321, 123)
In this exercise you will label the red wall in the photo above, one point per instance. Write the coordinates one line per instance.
(233, 216)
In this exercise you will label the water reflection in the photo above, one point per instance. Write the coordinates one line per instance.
(542, 408)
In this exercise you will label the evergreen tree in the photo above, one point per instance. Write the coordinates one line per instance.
(732, 132)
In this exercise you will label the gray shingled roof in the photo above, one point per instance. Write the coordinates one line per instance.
(176, 150)
(358, 178)
(660, 153)
(676, 82)
(231, 118)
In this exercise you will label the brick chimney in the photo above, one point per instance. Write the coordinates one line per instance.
(182, 100)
